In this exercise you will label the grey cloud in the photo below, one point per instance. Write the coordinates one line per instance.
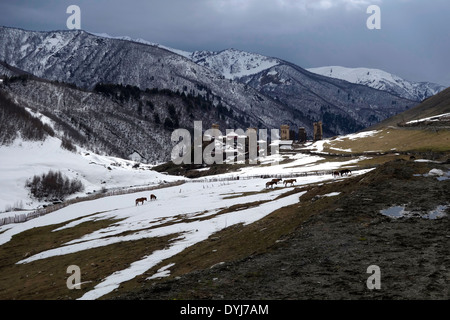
(412, 43)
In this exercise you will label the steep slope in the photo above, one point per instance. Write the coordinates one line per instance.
(16, 122)
(233, 64)
(321, 248)
(381, 80)
(85, 60)
(423, 131)
(122, 121)
(314, 98)
(342, 106)
(433, 106)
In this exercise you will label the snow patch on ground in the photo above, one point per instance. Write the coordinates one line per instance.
(22, 160)
(188, 212)
(431, 119)
(318, 146)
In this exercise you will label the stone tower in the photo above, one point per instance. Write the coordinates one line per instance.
(318, 133)
(301, 135)
(285, 132)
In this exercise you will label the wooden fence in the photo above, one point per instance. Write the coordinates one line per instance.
(23, 217)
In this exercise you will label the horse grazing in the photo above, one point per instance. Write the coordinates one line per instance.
(140, 200)
(291, 182)
(152, 197)
(346, 172)
(276, 180)
(270, 184)
(336, 174)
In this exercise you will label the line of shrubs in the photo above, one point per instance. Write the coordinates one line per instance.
(53, 186)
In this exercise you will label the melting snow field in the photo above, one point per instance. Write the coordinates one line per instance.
(318, 146)
(189, 212)
(182, 206)
(22, 160)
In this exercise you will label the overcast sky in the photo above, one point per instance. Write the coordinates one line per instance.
(413, 42)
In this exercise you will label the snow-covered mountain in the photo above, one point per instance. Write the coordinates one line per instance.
(85, 60)
(117, 120)
(381, 80)
(234, 64)
(254, 90)
(230, 63)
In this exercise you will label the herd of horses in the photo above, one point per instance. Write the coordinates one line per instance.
(344, 172)
(141, 200)
(271, 183)
(275, 182)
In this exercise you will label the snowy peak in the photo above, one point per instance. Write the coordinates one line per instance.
(143, 41)
(232, 63)
(356, 75)
(236, 64)
(381, 80)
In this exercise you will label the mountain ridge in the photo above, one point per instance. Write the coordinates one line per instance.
(268, 96)
(382, 80)
(432, 106)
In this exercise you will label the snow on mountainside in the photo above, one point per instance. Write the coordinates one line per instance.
(230, 63)
(259, 91)
(85, 60)
(234, 64)
(382, 80)
(143, 41)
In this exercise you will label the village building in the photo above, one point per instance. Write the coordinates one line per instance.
(302, 135)
(285, 132)
(318, 133)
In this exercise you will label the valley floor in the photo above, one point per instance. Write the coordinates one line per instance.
(327, 255)
(221, 237)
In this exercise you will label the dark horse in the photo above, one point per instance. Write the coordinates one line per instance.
(270, 184)
(276, 180)
(291, 182)
(140, 200)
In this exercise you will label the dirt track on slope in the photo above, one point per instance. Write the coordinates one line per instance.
(327, 256)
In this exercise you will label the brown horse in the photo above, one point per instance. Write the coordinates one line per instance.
(270, 184)
(336, 174)
(140, 200)
(152, 197)
(291, 182)
(276, 180)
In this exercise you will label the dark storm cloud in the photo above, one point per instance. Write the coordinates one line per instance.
(413, 41)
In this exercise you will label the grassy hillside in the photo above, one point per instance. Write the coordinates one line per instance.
(321, 247)
(392, 135)
(393, 139)
(432, 106)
